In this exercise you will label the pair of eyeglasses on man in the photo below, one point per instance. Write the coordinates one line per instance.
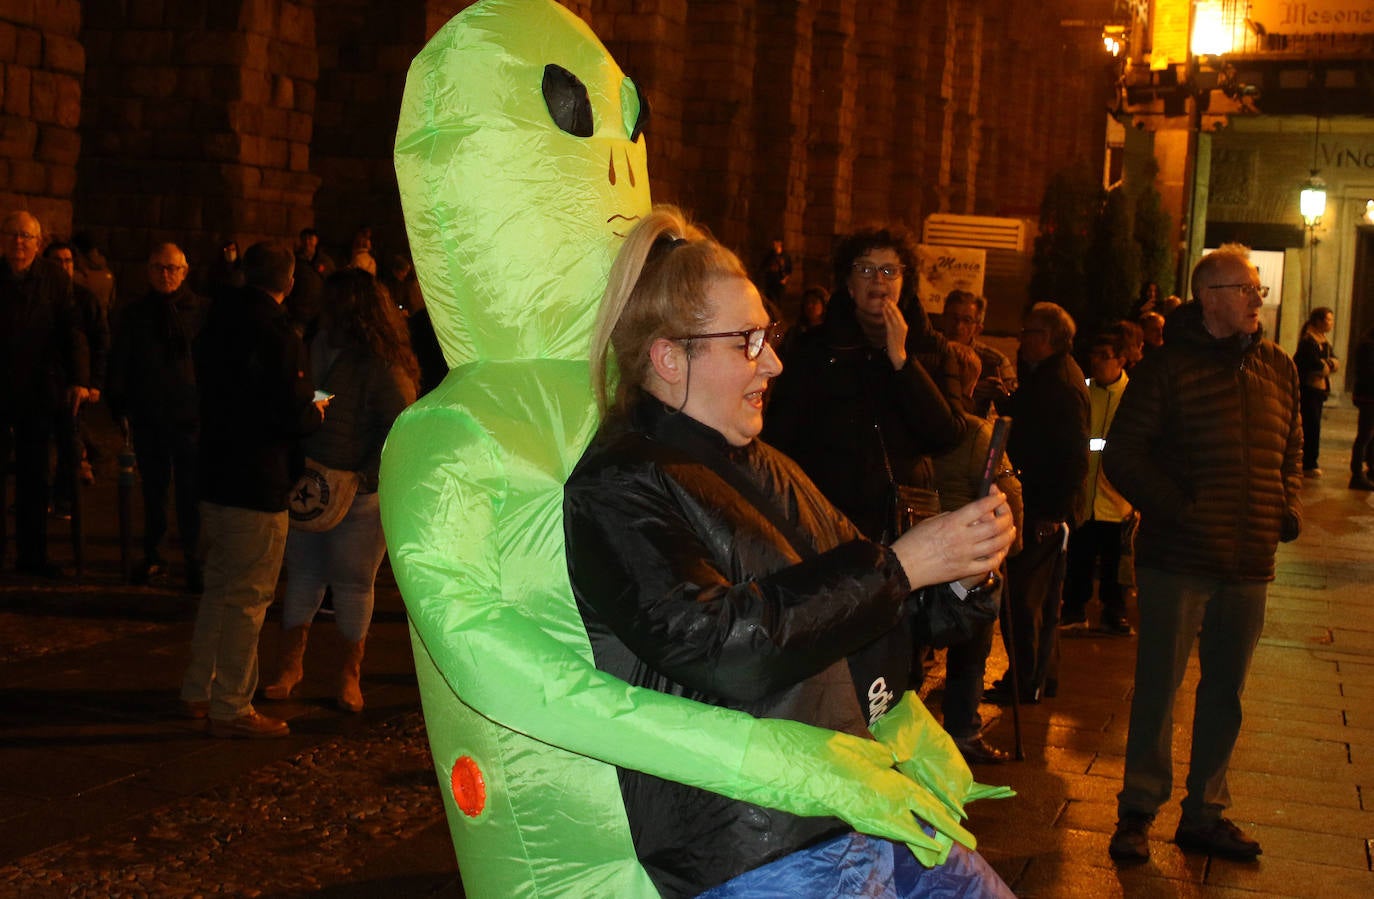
(754, 338)
(868, 270)
(1248, 289)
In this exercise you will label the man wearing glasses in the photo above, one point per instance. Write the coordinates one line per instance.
(152, 386)
(45, 362)
(1207, 444)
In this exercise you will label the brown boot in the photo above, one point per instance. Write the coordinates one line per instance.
(350, 691)
(290, 668)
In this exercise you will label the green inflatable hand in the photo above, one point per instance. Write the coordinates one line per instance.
(521, 165)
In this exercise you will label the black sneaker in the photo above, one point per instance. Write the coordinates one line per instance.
(1117, 627)
(1131, 841)
(149, 573)
(1221, 838)
(977, 751)
(1360, 482)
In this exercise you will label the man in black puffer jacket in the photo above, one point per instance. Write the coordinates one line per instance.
(1207, 445)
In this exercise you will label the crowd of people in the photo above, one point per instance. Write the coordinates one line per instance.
(214, 390)
(837, 470)
(1124, 482)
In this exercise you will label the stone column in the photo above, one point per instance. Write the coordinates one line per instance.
(197, 119)
(41, 67)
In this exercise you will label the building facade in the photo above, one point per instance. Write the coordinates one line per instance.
(196, 121)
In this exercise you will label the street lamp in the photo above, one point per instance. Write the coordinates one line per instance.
(1312, 201)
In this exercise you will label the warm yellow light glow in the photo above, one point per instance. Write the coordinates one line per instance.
(1312, 201)
(1114, 39)
(1215, 25)
(1369, 211)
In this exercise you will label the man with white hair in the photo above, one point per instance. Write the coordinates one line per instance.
(1049, 441)
(152, 383)
(1207, 444)
(45, 365)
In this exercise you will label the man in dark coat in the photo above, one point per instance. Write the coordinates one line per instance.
(73, 440)
(1049, 441)
(45, 370)
(152, 383)
(256, 400)
(1207, 444)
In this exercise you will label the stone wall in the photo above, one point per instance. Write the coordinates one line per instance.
(197, 117)
(42, 63)
(797, 119)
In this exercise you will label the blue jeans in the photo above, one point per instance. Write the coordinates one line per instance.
(1226, 618)
(346, 558)
(864, 867)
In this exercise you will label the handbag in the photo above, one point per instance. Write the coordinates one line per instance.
(321, 497)
(939, 618)
(906, 505)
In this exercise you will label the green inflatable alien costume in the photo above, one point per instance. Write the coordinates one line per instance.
(521, 165)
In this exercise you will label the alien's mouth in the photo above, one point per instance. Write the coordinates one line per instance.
(631, 219)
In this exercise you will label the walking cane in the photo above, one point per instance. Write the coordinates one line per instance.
(78, 530)
(5, 446)
(126, 503)
(1009, 635)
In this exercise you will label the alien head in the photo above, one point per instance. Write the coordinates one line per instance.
(521, 164)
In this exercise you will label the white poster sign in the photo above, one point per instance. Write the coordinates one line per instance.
(948, 268)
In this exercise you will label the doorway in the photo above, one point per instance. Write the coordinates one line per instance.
(1361, 297)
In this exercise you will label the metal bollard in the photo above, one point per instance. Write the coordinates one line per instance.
(128, 477)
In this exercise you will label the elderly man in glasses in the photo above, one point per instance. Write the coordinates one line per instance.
(1207, 444)
(152, 384)
(1049, 441)
(45, 363)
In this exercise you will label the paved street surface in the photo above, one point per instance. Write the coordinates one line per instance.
(105, 792)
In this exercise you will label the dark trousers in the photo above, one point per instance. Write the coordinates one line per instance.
(965, 665)
(1224, 618)
(167, 456)
(1362, 453)
(29, 435)
(1035, 581)
(1311, 402)
(1094, 547)
(65, 431)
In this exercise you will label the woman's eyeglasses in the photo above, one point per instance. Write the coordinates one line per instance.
(867, 271)
(754, 338)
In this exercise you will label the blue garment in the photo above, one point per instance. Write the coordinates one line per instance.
(855, 865)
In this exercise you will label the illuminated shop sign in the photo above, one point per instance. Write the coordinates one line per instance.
(1314, 16)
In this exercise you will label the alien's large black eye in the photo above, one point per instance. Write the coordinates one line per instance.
(642, 119)
(566, 97)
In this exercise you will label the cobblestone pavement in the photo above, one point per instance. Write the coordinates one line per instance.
(104, 792)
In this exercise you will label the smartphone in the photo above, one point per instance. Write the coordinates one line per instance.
(997, 447)
(321, 395)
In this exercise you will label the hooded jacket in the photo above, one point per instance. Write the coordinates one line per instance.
(687, 585)
(1207, 444)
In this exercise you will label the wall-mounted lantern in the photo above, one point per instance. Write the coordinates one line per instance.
(1312, 201)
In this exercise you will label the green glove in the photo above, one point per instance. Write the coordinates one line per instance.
(924, 752)
(807, 770)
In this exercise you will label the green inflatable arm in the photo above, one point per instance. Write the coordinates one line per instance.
(521, 165)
